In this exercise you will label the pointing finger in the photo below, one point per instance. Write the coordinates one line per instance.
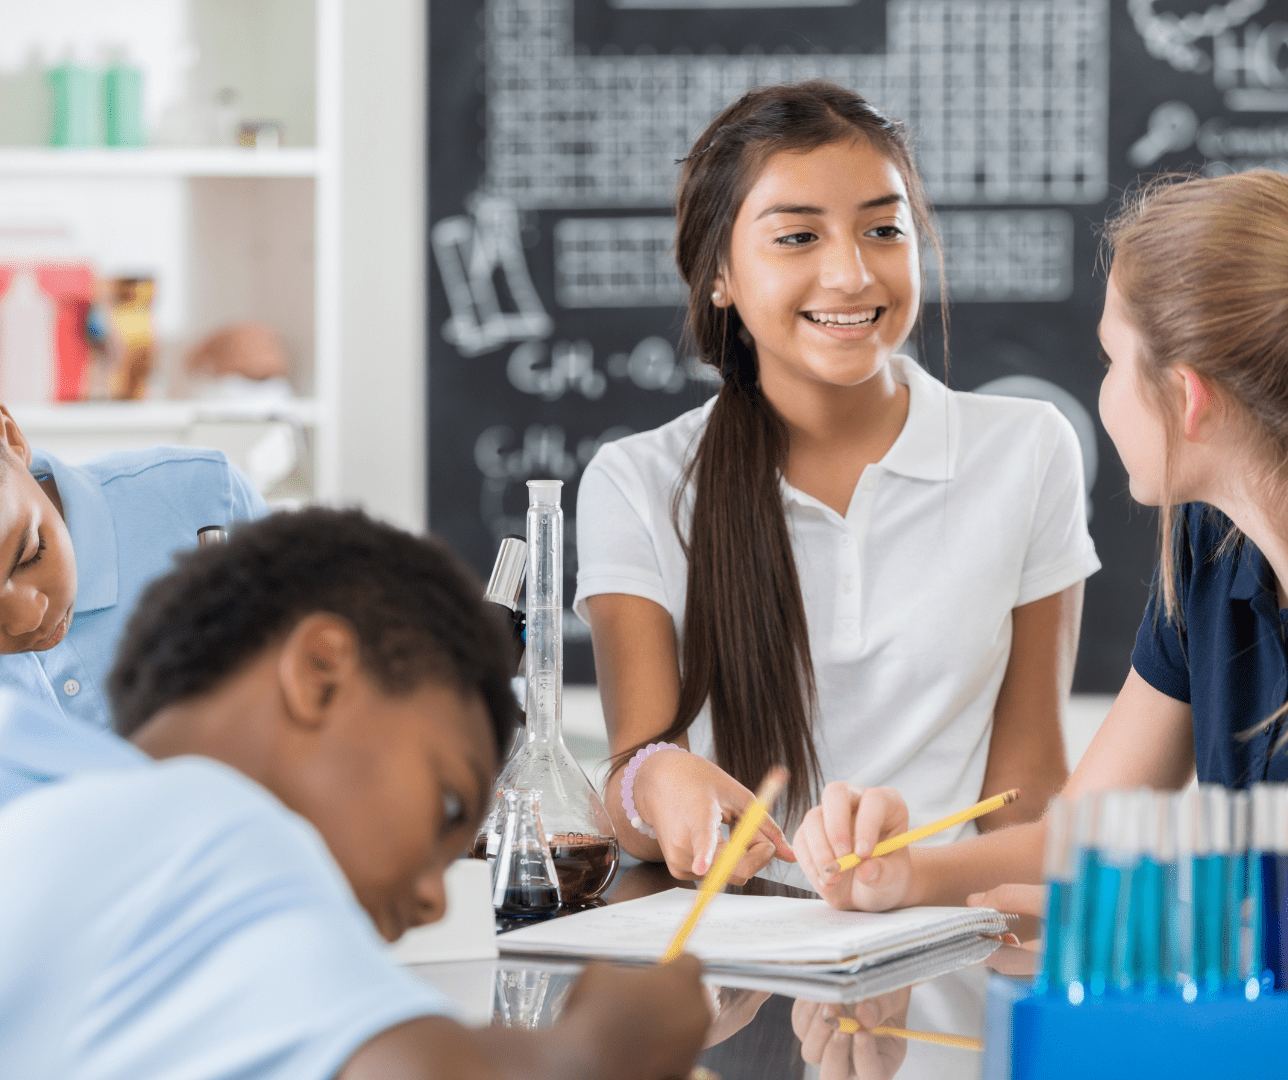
(881, 814)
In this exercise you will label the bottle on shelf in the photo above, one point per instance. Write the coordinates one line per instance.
(28, 328)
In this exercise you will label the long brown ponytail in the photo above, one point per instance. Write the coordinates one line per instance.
(746, 641)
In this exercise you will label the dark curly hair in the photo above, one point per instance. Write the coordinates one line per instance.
(417, 611)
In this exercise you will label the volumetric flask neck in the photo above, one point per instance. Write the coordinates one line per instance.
(544, 702)
(524, 880)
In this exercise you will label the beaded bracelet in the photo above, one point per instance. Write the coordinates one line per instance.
(628, 785)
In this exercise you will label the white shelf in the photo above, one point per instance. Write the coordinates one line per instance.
(94, 417)
(159, 161)
(231, 234)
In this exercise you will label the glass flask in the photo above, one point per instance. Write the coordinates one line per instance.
(580, 833)
(524, 880)
(528, 997)
(519, 996)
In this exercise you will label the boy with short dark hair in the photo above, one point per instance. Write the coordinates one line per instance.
(316, 710)
(78, 543)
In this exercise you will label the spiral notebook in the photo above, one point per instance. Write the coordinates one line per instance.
(823, 986)
(768, 935)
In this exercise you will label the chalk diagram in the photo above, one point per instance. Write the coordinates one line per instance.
(1008, 99)
(471, 251)
(1245, 61)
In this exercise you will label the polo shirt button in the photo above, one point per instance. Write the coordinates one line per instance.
(71, 688)
(847, 586)
(847, 540)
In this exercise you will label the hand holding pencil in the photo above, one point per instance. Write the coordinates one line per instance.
(867, 866)
(850, 820)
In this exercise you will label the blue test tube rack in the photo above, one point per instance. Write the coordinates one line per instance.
(1032, 1036)
(1166, 942)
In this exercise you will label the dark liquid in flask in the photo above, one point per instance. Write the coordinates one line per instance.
(524, 899)
(479, 850)
(585, 864)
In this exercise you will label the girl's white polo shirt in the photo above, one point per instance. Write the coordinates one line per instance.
(977, 508)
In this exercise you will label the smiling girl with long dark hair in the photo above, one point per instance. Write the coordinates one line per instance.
(837, 564)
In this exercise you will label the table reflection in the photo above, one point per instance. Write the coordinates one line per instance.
(839, 1056)
(760, 1033)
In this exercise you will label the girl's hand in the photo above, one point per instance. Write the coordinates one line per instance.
(852, 820)
(686, 798)
(1027, 901)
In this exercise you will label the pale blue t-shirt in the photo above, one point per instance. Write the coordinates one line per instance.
(174, 919)
(128, 513)
(40, 746)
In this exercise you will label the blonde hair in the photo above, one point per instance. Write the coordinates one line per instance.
(1202, 267)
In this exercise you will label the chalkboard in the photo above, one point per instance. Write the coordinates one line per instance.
(554, 318)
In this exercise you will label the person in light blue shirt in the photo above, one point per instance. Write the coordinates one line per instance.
(315, 712)
(197, 928)
(39, 745)
(79, 543)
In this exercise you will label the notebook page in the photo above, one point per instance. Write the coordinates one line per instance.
(751, 931)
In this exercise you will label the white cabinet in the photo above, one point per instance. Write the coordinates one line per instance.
(230, 234)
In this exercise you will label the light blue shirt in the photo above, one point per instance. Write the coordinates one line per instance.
(39, 746)
(174, 919)
(128, 513)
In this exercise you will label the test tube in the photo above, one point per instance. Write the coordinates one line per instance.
(1263, 937)
(1107, 905)
(1188, 810)
(1059, 871)
(1074, 947)
(1209, 821)
(1171, 960)
(1147, 907)
(1236, 890)
(1125, 850)
(1280, 908)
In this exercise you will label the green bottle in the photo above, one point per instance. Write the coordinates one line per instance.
(123, 106)
(72, 92)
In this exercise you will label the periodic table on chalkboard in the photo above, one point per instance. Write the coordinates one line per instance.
(554, 306)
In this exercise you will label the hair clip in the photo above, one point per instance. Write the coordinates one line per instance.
(696, 153)
(709, 146)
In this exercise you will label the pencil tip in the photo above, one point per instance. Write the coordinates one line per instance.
(774, 782)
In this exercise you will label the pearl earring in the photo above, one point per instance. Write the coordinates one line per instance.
(715, 297)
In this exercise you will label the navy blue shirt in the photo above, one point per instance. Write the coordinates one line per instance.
(1229, 659)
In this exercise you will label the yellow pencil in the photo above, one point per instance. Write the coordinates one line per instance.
(848, 862)
(851, 1027)
(718, 874)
